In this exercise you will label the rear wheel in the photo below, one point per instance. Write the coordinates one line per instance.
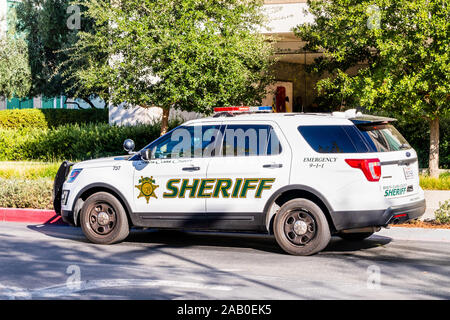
(301, 228)
(103, 219)
(357, 236)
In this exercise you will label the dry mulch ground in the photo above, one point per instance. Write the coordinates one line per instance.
(424, 224)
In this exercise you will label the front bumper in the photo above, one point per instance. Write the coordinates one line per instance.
(67, 217)
(58, 183)
(344, 220)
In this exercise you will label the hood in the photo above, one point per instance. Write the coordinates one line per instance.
(101, 162)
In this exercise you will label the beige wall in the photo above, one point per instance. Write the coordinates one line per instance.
(304, 83)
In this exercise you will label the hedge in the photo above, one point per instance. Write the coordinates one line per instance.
(61, 139)
(72, 142)
(50, 118)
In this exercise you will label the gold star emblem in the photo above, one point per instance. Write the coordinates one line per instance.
(147, 188)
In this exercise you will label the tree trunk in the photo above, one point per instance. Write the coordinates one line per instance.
(89, 102)
(433, 166)
(165, 121)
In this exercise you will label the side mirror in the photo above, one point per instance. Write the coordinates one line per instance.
(128, 145)
(146, 154)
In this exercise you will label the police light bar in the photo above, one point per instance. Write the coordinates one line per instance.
(244, 109)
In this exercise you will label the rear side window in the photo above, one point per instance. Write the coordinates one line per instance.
(383, 138)
(334, 139)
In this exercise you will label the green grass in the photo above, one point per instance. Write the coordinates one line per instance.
(28, 170)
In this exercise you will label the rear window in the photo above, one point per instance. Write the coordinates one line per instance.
(352, 139)
(384, 138)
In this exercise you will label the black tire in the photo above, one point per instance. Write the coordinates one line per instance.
(103, 219)
(358, 236)
(317, 234)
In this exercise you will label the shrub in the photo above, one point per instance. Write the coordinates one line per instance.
(443, 213)
(72, 142)
(15, 193)
(50, 118)
(441, 183)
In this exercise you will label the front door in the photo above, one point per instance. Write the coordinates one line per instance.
(166, 187)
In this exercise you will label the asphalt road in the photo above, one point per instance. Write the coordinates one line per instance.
(41, 262)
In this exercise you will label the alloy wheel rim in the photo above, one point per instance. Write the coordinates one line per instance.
(300, 227)
(102, 218)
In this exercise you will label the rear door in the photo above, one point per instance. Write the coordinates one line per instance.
(254, 162)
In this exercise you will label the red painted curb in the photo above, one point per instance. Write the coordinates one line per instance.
(36, 216)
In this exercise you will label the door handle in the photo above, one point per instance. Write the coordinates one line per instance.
(273, 165)
(191, 168)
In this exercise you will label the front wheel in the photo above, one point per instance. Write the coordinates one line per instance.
(103, 219)
(301, 228)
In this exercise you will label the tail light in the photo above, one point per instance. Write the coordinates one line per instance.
(370, 167)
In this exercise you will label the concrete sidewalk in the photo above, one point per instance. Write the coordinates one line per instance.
(433, 198)
(415, 234)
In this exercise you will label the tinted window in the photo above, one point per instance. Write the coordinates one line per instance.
(250, 140)
(334, 139)
(383, 138)
(186, 142)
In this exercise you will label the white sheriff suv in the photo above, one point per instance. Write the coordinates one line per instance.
(302, 177)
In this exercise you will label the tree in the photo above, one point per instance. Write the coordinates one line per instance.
(401, 49)
(44, 26)
(187, 54)
(15, 73)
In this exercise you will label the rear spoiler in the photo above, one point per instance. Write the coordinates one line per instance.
(362, 119)
(369, 120)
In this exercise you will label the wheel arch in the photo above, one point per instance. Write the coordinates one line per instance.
(296, 191)
(89, 190)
